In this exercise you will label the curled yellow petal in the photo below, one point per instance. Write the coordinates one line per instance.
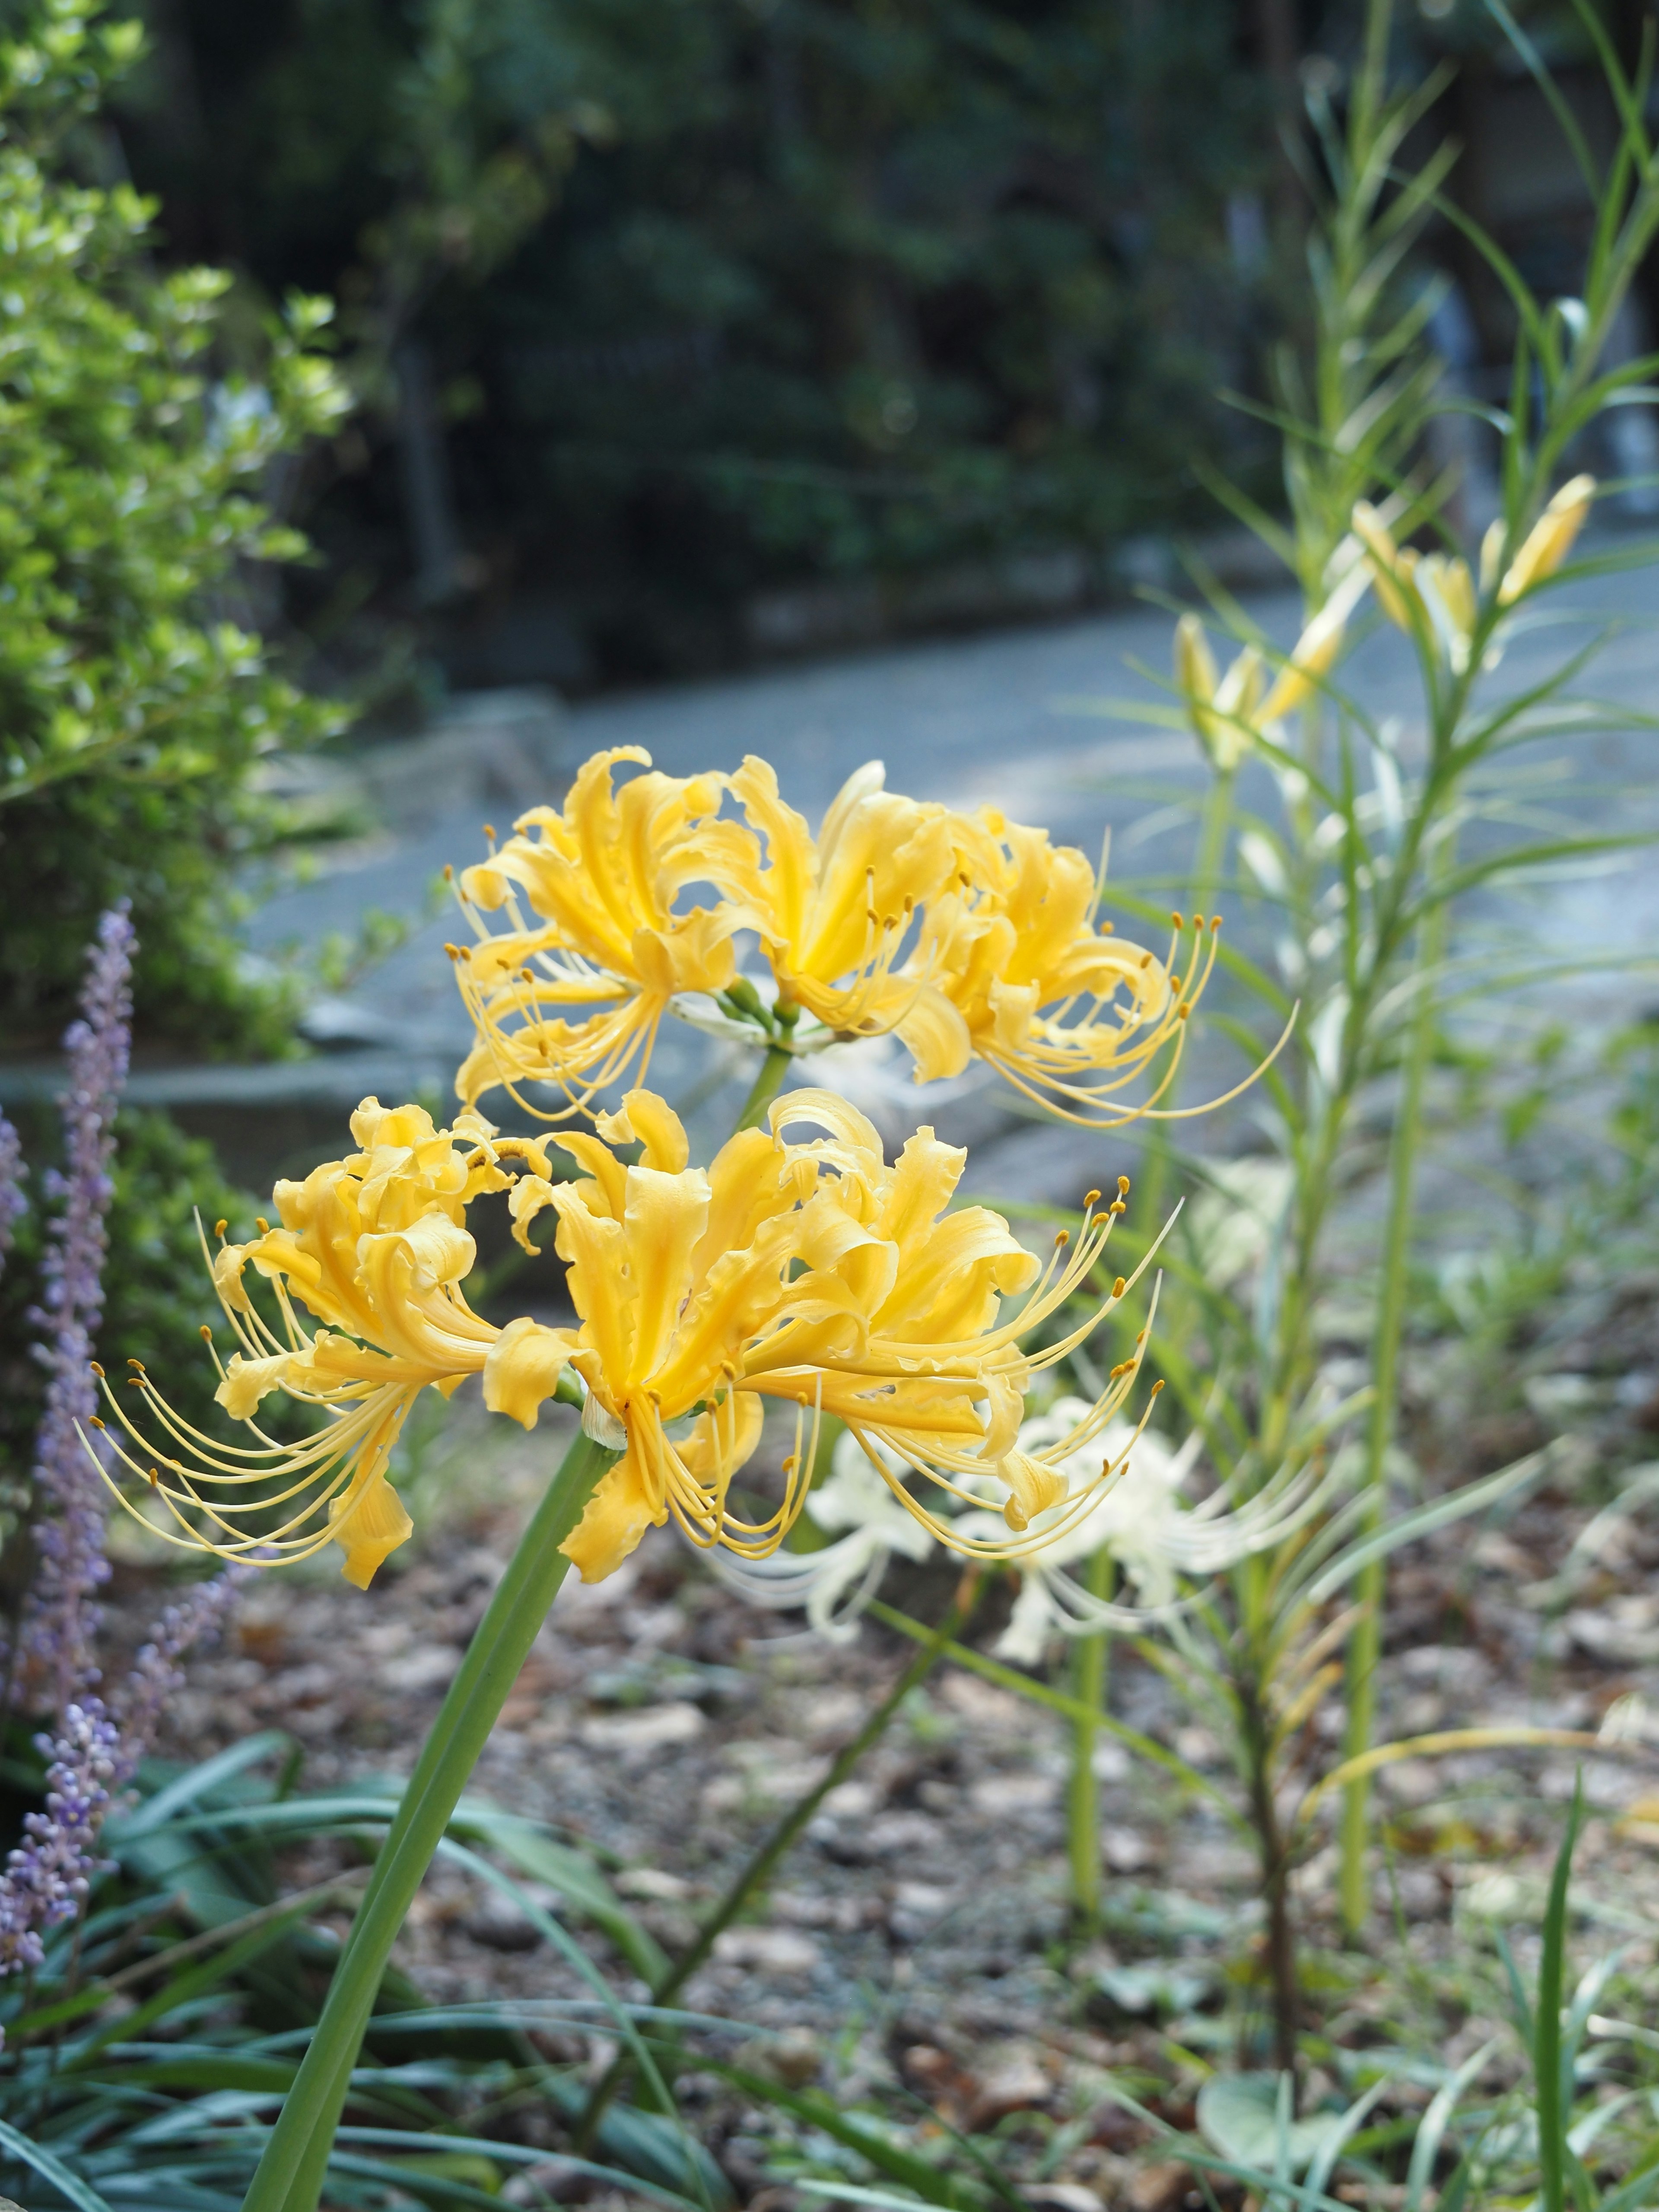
(366, 1526)
(617, 1514)
(523, 1368)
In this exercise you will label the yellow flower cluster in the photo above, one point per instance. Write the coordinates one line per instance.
(808, 1269)
(966, 936)
(1434, 595)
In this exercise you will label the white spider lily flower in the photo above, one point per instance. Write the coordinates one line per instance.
(1141, 1521)
(1139, 1518)
(854, 1500)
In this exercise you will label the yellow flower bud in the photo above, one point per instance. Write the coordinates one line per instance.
(1550, 540)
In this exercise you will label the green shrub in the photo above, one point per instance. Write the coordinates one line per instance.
(135, 707)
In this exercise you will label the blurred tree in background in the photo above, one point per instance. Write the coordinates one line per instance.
(136, 703)
(778, 289)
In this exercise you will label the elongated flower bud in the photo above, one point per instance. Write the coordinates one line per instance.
(1550, 540)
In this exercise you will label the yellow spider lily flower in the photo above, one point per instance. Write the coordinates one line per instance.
(601, 878)
(813, 1272)
(374, 1247)
(1031, 984)
(963, 937)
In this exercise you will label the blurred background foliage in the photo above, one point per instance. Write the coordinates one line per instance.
(660, 305)
(663, 337)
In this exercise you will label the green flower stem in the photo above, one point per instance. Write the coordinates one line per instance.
(757, 1871)
(1089, 1663)
(1364, 1646)
(291, 2173)
(773, 1069)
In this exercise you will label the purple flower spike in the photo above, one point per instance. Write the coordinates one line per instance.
(157, 1676)
(12, 1171)
(48, 1876)
(63, 1615)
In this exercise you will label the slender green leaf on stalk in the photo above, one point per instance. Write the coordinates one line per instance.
(1347, 2126)
(1513, 864)
(1641, 2188)
(80, 2194)
(1255, 519)
(1546, 82)
(1619, 84)
(1109, 709)
(1473, 1498)
(866, 2136)
(1508, 275)
(1437, 2119)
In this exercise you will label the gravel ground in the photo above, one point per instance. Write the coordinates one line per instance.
(916, 1944)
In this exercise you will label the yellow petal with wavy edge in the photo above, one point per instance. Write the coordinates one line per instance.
(369, 1526)
(523, 1368)
(617, 1514)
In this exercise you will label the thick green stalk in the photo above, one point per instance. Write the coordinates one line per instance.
(758, 1870)
(1364, 1646)
(1089, 1664)
(773, 1069)
(291, 2171)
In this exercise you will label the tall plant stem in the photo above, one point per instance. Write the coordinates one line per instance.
(1276, 1886)
(1366, 1644)
(291, 2171)
(758, 1870)
(773, 1069)
(1089, 1666)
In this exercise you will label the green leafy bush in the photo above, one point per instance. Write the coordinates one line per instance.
(136, 706)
